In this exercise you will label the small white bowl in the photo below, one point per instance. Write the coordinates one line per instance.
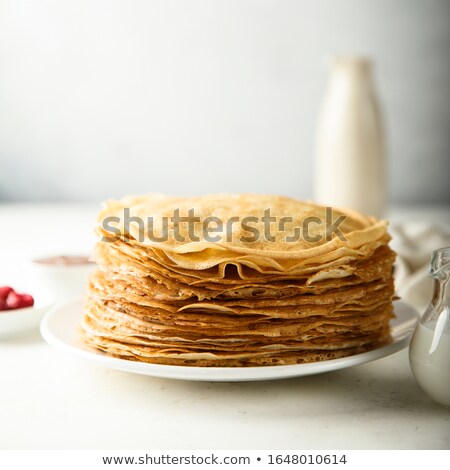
(59, 281)
(21, 320)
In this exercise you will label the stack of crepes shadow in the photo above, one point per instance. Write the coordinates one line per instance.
(242, 299)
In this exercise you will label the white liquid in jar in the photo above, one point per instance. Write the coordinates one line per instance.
(350, 160)
(429, 356)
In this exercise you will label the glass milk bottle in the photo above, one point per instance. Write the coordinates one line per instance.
(350, 160)
(429, 351)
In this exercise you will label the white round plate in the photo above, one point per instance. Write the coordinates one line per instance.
(59, 329)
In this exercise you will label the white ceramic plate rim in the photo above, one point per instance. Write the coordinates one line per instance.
(59, 330)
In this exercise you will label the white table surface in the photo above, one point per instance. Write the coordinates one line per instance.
(50, 400)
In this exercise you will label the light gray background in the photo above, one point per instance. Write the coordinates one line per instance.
(99, 98)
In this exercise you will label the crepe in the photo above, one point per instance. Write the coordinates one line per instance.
(172, 295)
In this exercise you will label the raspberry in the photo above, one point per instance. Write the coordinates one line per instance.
(4, 292)
(13, 300)
(26, 301)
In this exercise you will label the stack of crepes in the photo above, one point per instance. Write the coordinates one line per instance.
(241, 299)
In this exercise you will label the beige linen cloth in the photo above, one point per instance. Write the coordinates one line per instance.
(414, 243)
